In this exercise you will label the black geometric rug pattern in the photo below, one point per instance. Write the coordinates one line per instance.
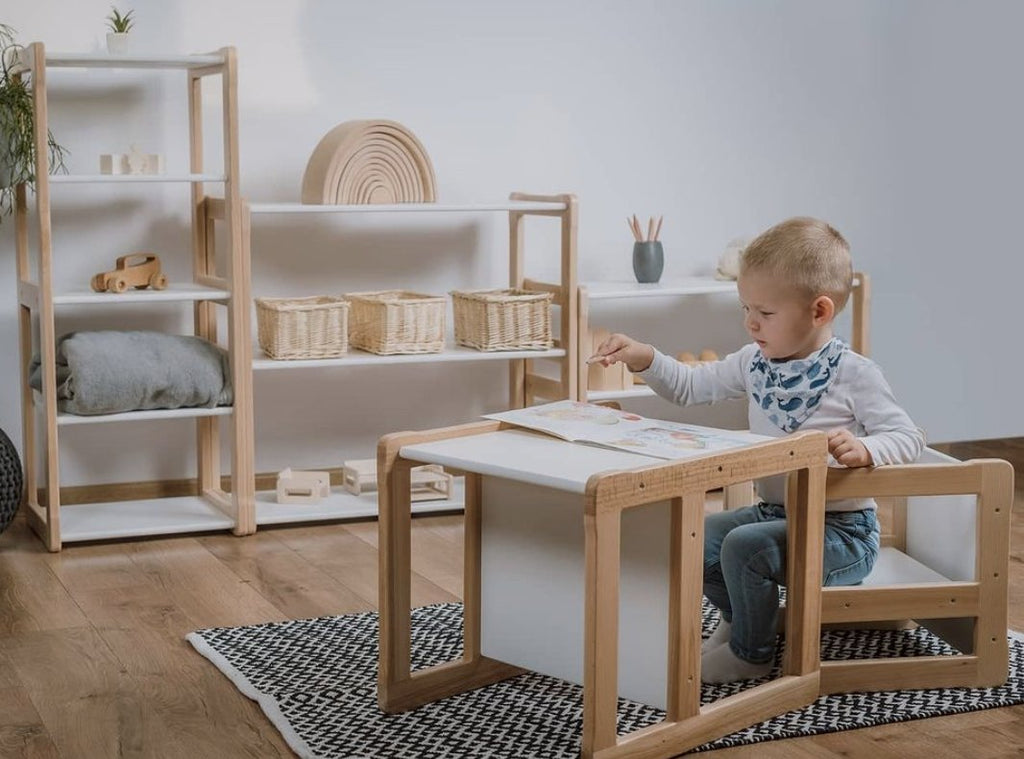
(316, 680)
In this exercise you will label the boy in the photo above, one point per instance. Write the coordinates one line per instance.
(794, 278)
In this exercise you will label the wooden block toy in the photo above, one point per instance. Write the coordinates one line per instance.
(302, 486)
(615, 377)
(705, 355)
(135, 162)
(429, 482)
(138, 270)
(359, 475)
(113, 163)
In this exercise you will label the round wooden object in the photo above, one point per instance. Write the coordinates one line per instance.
(368, 161)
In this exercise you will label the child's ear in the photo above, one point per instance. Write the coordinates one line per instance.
(823, 310)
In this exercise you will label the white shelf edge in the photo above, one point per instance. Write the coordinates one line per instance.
(606, 290)
(144, 416)
(106, 60)
(509, 205)
(184, 293)
(132, 178)
(154, 516)
(637, 391)
(341, 504)
(362, 358)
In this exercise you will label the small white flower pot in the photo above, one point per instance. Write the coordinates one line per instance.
(118, 43)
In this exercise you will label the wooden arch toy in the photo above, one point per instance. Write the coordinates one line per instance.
(368, 161)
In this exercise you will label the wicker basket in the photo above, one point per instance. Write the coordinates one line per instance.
(503, 320)
(314, 327)
(396, 321)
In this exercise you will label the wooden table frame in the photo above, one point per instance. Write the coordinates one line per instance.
(684, 484)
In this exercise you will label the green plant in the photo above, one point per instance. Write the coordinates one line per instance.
(17, 133)
(118, 22)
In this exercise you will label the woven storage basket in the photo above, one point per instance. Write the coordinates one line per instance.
(314, 327)
(396, 321)
(502, 320)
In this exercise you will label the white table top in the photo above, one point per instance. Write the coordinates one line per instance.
(528, 457)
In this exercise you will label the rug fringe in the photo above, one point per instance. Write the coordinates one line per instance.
(268, 704)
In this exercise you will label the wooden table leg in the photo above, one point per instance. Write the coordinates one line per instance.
(601, 630)
(395, 555)
(686, 561)
(398, 688)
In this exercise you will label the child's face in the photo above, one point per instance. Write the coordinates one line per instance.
(784, 323)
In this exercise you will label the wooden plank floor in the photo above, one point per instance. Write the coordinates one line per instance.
(93, 661)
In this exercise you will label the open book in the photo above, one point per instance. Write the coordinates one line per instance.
(580, 422)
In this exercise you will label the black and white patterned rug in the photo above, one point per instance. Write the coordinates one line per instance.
(316, 679)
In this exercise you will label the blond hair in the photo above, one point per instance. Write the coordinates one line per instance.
(808, 254)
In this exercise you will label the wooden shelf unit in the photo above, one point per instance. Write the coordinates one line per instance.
(526, 384)
(212, 508)
(683, 288)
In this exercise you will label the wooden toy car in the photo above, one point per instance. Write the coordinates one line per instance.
(139, 270)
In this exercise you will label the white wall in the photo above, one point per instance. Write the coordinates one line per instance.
(895, 121)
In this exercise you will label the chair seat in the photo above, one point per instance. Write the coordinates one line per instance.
(893, 567)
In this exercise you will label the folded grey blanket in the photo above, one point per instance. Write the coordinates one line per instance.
(108, 372)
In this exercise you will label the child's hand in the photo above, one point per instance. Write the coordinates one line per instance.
(847, 449)
(635, 355)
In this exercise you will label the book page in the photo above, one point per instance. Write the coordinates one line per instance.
(581, 422)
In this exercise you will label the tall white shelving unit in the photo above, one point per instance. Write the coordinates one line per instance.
(211, 507)
(526, 383)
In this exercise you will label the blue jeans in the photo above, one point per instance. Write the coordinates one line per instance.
(745, 563)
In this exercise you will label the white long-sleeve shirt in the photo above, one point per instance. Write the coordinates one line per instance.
(858, 399)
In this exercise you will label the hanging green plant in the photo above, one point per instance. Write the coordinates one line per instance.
(17, 118)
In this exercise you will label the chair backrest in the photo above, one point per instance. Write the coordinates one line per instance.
(860, 313)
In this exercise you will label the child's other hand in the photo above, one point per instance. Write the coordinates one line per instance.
(635, 355)
(847, 449)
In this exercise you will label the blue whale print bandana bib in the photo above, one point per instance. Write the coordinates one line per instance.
(789, 391)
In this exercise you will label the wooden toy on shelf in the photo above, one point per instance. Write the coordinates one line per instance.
(139, 270)
(429, 482)
(705, 356)
(369, 161)
(302, 486)
(133, 162)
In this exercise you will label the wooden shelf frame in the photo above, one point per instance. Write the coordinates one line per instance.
(38, 303)
(526, 385)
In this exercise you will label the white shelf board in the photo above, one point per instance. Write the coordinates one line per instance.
(686, 286)
(154, 516)
(132, 178)
(108, 61)
(362, 358)
(144, 416)
(175, 292)
(341, 504)
(637, 391)
(508, 205)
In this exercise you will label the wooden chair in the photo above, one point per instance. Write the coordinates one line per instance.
(944, 563)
